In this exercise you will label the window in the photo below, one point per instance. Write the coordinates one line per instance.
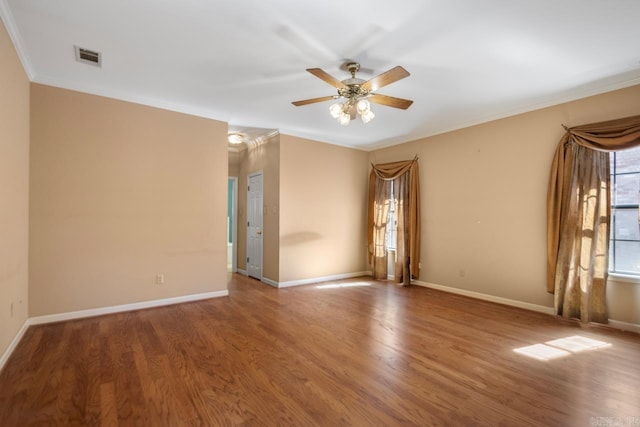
(624, 246)
(392, 224)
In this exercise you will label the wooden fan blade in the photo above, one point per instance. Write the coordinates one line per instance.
(323, 75)
(388, 77)
(390, 101)
(312, 100)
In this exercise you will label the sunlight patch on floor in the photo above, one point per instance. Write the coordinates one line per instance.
(561, 347)
(576, 344)
(342, 285)
(542, 352)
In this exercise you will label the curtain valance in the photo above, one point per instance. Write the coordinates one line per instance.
(389, 171)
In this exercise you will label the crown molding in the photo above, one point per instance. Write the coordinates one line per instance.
(14, 34)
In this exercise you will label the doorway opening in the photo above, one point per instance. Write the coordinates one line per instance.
(232, 225)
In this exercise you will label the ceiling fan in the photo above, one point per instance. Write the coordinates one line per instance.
(356, 94)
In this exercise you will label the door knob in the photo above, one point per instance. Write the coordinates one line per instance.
(259, 232)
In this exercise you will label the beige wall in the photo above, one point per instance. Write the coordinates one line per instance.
(234, 163)
(484, 200)
(14, 192)
(323, 192)
(122, 192)
(263, 157)
(623, 301)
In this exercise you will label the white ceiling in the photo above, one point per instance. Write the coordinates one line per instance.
(244, 61)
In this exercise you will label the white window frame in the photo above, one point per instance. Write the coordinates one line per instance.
(615, 275)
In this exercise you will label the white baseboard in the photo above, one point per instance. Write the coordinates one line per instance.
(14, 344)
(270, 282)
(277, 284)
(322, 279)
(486, 297)
(243, 272)
(124, 307)
(624, 326)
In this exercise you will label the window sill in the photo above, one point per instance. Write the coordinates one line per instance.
(624, 278)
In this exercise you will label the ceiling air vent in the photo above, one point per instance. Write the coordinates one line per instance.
(88, 56)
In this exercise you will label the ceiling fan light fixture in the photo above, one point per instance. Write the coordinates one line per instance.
(367, 116)
(341, 111)
(344, 119)
(363, 106)
(335, 110)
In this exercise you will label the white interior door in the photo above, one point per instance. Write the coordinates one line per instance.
(254, 225)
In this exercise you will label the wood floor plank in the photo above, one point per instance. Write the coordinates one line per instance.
(362, 352)
(108, 409)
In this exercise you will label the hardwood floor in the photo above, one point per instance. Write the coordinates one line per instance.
(357, 352)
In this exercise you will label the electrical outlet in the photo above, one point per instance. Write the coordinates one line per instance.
(462, 273)
(159, 279)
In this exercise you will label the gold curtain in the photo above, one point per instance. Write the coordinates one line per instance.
(578, 213)
(378, 218)
(406, 186)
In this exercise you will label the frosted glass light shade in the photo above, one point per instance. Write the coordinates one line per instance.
(344, 119)
(367, 116)
(363, 106)
(335, 110)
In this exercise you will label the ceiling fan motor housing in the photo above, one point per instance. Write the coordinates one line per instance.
(353, 85)
(353, 89)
